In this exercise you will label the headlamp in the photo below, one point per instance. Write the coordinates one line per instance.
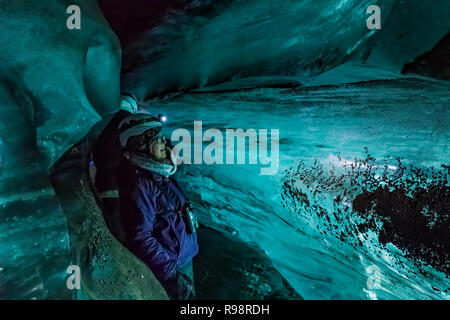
(162, 118)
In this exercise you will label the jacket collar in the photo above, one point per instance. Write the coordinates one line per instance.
(145, 162)
(151, 174)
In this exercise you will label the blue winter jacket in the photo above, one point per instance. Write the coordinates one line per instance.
(151, 205)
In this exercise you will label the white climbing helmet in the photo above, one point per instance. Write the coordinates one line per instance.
(137, 124)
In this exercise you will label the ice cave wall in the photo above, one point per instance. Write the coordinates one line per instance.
(57, 76)
(192, 44)
(55, 85)
(205, 43)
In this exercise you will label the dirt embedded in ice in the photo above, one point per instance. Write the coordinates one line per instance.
(402, 204)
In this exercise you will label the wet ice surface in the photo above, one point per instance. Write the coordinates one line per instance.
(406, 118)
(228, 40)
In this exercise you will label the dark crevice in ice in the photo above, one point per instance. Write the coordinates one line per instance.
(434, 63)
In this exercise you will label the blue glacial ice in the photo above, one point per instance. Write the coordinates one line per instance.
(406, 118)
(224, 63)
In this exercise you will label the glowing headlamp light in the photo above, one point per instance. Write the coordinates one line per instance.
(162, 118)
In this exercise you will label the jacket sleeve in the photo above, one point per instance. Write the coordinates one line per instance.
(143, 243)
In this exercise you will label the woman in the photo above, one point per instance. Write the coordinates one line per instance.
(158, 223)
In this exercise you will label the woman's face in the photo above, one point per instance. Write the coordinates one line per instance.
(158, 148)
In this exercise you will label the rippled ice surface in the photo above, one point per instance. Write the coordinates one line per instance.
(406, 118)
